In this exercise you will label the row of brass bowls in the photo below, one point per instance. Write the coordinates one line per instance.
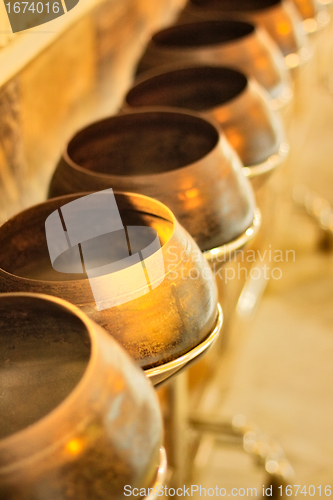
(280, 18)
(238, 104)
(179, 158)
(155, 328)
(78, 418)
(242, 45)
(81, 407)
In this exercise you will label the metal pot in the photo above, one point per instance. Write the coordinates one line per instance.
(172, 314)
(238, 104)
(176, 157)
(78, 417)
(280, 18)
(242, 45)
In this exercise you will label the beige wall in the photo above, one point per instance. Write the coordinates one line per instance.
(80, 77)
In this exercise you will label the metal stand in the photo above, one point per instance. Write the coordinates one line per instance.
(186, 427)
(267, 454)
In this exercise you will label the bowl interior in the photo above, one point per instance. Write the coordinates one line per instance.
(202, 33)
(24, 249)
(198, 88)
(44, 351)
(143, 143)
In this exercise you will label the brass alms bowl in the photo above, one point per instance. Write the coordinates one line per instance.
(156, 327)
(280, 18)
(78, 417)
(238, 104)
(177, 157)
(238, 44)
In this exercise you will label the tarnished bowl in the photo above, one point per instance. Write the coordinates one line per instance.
(176, 157)
(238, 104)
(223, 43)
(69, 393)
(280, 18)
(157, 323)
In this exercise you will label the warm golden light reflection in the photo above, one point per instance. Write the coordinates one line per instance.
(191, 198)
(310, 25)
(191, 193)
(272, 467)
(235, 139)
(164, 230)
(292, 60)
(118, 384)
(74, 446)
(283, 28)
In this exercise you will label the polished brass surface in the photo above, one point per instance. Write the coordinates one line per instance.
(160, 476)
(68, 396)
(159, 374)
(227, 42)
(280, 18)
(154, 328)
(177, 157)
(238, 104)
(219, 256)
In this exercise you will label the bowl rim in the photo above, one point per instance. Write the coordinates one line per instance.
(158, 74)
(173, 366)
(93, 330)
(143, 110)
(160, 474)
(249, 25)
(171, 219)
(267, 166)
(213, 255)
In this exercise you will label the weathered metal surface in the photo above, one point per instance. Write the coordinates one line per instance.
(155, 328)
(177, 157)
(78, 417)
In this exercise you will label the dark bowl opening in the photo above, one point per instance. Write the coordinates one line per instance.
(44, 352)
(235, 5)
(202, 33)
(143, 143)
(199, 88)
(24, 250)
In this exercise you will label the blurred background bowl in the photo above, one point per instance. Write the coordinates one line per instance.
(239, 44)
(238, 104)
(280, 18)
